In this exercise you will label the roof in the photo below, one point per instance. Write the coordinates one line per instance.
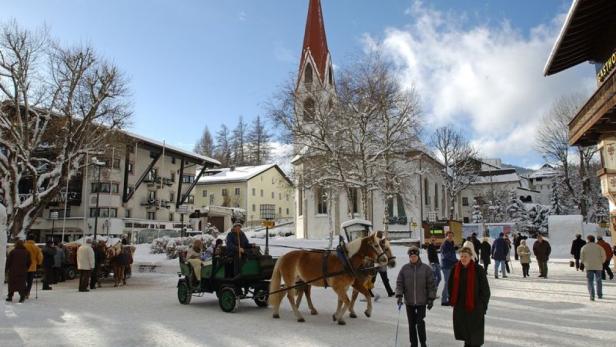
(587, 22)
(315, 41)
(545, 171)
(175, 150)
(502, 178)
(238, 174)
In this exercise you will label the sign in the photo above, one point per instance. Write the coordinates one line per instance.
(268, 223)
(182, 209)
(54, 215)
(609, 65)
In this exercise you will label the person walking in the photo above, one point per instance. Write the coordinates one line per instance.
(448, 260)
(485, 253)
(508, 256)
(36, 259)
(434, 262)
(99, 260)
(542, 251)
(58, 262)
(470, 294)
(476, 243)
(85, 264)
(608, 257)
(576, 247)
(593, 257)
(49, 254)
(415, 284)
(517, 240)
(499, 254)
(17, 264)
(470, 245)
(523, 253)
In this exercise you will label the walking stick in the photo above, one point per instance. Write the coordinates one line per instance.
(397, 326)
(35, 287)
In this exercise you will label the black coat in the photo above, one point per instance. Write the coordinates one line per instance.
(576, 247)
(486, 250)
(476, 244)
(17, 264)
(469, 326)
(432, 254)
(49, 254)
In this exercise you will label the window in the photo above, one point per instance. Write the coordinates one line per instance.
(273, 195)
(435, 196)
(237, 191)
(321, 198)
(152, 195)
(308, 110)
(173, 177)
(204, 193)
(308, 74)
(188, 179)
(261, 192)
(426, 195)
(287, 211)
(171, 217)
(331, 76)
(465, 219)
(300, 201)
(224, 192)
(191, 199)
(128, 213)
(171, 196)
(287, 196)
(353, 200)
(131, 167)
(254, 192)
(61, 213)
(172, 160)
(105, 187)
(212, 199)
(116, 163)
(254, 207)
(104, 212)
(279, 211)
(152, 215)
(464, 201)
(130, 190)
(115, 188)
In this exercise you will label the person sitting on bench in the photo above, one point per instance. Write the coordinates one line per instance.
(193, 257)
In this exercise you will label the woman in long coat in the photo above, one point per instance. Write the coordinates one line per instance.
(486, 253)
(17, 264)
(469, 295)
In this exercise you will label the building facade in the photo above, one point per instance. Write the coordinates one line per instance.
(139, 186)
(248, 188)
(542, 181)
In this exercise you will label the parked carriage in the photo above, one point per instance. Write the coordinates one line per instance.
(252, 281)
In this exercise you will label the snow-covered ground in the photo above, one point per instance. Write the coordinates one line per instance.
(146, 312)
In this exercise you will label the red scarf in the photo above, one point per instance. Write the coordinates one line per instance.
(469, 303)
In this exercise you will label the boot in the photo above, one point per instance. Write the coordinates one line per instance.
(9, 299)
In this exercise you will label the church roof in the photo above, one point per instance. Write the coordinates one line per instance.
(315, 41)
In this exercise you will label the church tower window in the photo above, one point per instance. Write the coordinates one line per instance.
(308, 110)
(308, 74)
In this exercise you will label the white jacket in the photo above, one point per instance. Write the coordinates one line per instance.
(85, 257)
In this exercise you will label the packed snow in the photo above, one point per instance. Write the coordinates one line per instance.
(522, 312)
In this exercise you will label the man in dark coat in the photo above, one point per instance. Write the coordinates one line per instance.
(415, 284)
(486, 253)
(516, 242)
(49, 253)
(99, 260)
(476, 243)
(236, 245)
(448, 260)
(434, 262)
(500, 249)
(542, 251)
(576, 247)
(17, 264)
(469, 295)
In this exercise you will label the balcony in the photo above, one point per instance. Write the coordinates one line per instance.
(157, 181)
(156, 203)
(74, 199)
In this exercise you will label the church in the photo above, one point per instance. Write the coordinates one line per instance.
(427, 200)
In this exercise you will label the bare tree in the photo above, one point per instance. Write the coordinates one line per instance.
(223, 146)
(56, 106)
(459, 160)
(259, 147)
(238, 143)
(553, 142)
(205, 145)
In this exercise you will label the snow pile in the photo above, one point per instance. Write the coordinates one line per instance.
(282, 231)
(173, 246)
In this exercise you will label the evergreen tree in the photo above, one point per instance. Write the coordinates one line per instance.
(238, 143)
(477, 216)
(517, 213)
(223, 146)
(557, 208)
(259, 147)
(205, 145)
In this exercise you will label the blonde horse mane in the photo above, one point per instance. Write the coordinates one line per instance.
(354, 246)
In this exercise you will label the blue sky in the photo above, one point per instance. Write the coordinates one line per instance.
(197, 63)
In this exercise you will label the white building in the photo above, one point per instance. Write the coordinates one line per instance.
(541, 181)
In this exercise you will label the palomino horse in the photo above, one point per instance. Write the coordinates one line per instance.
(362, 284)
(119, 257)
(309, 266)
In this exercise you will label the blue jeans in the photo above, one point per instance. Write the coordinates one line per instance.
(501, 264)
(594, 276)
(445, 293)
(436, 271)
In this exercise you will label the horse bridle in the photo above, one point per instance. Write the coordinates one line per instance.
(385, 251)
(379, 255)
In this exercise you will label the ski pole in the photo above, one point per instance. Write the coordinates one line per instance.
(397, 326)
(35, 286)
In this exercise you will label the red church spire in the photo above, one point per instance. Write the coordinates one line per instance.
(315, 41)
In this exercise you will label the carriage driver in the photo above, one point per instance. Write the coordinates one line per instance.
(237, 243)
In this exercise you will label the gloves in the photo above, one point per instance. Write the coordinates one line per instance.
(430, 304)
(399, 302)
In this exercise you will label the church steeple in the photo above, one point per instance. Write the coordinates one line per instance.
(315, 43)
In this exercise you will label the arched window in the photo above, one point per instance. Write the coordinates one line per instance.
(331, 76)
(308, 110)
(308, 74)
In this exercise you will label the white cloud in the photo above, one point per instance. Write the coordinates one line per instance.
(282, 154)
(482, 78)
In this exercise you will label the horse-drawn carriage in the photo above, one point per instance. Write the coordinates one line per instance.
(215, 276)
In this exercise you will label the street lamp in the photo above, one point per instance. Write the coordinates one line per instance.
(53, 215)
(98, 192)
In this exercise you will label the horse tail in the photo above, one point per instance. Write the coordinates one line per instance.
(274, 299)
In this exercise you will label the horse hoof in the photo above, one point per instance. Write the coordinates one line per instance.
(301, 320)
(334, 318)
(314, 312)
(367, 314)
(276, 316)
(341, 322)
(352, 315)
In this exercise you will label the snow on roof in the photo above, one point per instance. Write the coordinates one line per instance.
(508, 177)
(355, 221)
(545, 171)
(191, 155)
(240, 173)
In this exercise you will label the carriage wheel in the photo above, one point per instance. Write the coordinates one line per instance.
(228, 300)
(70, 272)
(184, 292)
(261, 296)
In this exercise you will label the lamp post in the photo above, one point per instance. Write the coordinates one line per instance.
(54, 216)
(98, 192)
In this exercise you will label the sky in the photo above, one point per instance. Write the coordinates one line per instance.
(477, 65)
